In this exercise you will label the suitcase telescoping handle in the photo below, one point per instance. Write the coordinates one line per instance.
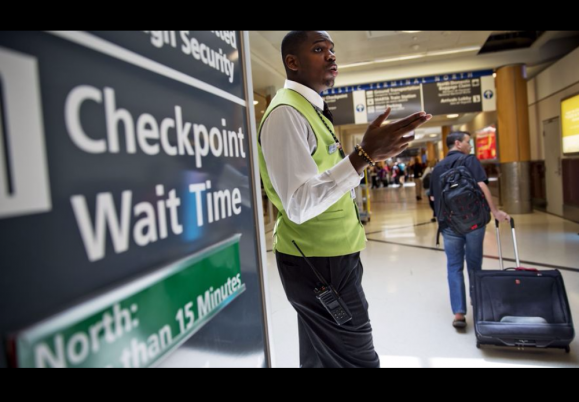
(514, 243)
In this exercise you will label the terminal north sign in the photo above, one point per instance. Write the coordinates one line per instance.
(437, 95)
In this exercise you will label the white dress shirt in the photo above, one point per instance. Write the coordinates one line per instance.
(288, 143)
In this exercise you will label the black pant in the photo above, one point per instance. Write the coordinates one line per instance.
(323, 343)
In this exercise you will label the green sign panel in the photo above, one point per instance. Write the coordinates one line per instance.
(140, 323)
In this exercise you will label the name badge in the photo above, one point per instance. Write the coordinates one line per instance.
(332, 148)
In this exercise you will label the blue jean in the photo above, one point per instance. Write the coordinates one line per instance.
(455, 247)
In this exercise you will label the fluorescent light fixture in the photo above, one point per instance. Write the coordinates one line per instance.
(453, 51)
(452, 116)
(412, 56)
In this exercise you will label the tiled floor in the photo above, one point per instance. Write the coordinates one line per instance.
(405, 284)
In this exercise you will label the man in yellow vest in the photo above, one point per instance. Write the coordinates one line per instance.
(311, 181)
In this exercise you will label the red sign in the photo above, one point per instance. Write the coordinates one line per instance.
(486, 143)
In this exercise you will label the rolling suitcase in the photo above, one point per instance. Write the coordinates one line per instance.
(525, 308)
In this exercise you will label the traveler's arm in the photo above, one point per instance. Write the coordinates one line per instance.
(499, 215)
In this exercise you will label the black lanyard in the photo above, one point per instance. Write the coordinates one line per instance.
(331, 132)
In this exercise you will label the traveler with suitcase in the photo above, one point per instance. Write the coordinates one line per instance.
(463, 203)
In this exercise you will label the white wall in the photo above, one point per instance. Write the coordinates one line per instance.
(545, 92)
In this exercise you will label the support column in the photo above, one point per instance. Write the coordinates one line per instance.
(445, 131)
(513, 139)
(431, 152)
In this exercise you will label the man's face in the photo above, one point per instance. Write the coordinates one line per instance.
(464, 145)
(315, 63)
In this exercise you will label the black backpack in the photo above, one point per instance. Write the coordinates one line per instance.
(463, 205)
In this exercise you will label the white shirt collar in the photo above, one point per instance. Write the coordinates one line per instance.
(312, 96)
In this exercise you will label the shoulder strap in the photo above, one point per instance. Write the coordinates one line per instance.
(459, 161)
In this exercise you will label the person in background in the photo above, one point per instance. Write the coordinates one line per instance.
(425, 179)
(457, 246)
(417, 168)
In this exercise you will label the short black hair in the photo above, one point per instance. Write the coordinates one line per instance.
(456, 136)
(291, 43)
